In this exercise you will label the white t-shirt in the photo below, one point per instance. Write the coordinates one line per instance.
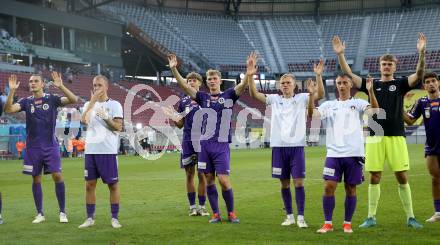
(288, 120)
(99, 138)
(343, 123)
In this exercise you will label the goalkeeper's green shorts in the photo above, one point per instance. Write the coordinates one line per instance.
(390, 149)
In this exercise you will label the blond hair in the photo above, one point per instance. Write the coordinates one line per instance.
(102, 77)
(286, 75)
(212, 72)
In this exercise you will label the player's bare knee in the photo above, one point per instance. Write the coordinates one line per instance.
(113, 187)
(401, 177)
(36, 179)
(224, 182)
(298, 182)
(210, 179)
(285, 183)
(350, 190)
(375, 177)
(57, 177)
(90, 186)
(202, 178)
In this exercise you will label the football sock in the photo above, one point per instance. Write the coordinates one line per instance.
(38, 197)
(405, 197)
(61, 197)
(373, 199)
(213, 198)
(350, 206)
(287, 199)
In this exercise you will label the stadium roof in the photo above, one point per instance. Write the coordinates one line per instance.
(270, 7)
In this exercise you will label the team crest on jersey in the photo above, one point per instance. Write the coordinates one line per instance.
(45, 107)
(221, 100)
(32, 109)
(392, 88)
(187, 109)
(427, 113)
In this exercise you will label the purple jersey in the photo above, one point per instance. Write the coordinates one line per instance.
(189, 107)
(222, 105)
(431, 118)
(41, 117)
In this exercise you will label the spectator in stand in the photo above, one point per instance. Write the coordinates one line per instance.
(80, 147)
(20, 145)
(70, 147)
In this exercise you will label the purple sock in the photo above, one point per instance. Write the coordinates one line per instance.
(300, 198)
(61, 196)
(350, 206)
(202, 200)
(38, 197)
(228, 196)
(287, 199)
(191, 198)
(328, 203)
(213, 198)
(90, 210)
(436, 205)
(0, 202)
(114, 207)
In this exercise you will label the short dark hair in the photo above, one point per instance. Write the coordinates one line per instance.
(37, 75)
(343, 74)
(430, 74)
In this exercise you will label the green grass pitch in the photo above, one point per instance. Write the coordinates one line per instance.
(154, 206)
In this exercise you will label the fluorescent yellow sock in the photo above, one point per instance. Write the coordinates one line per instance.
(405, 197)
(373, 199)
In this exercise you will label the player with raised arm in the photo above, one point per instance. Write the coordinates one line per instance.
(428, 107)
(43, 153)
(188, 161)
(215, 119)
(345, 147)
(103, 117)
(288, 136)
(388, 145)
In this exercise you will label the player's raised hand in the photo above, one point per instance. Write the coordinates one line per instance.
(369, 83)
(13, 84)
(57, 80)
(319, 68)
(251, 63)
(311, 86)
(172, 59)
(421, 43)
(338, 45)
(171, 113)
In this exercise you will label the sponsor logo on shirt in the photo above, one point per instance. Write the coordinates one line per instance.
(427, 112)
(378, 89)
(392, 88)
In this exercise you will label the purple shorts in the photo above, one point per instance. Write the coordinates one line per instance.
(287, 161)
(188, 156)
(38, 159)
(104, 166)
(349, 167)
(214, 157)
